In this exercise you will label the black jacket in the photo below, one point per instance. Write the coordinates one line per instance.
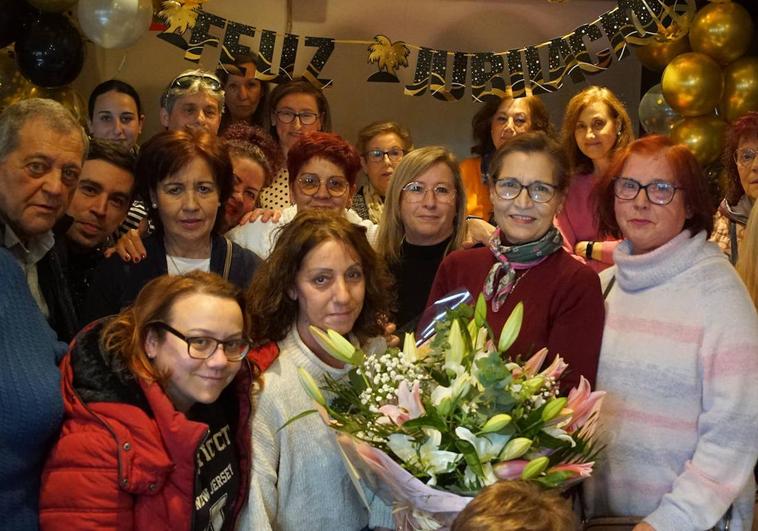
(116, 283)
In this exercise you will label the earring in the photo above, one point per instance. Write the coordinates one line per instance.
(154, 205)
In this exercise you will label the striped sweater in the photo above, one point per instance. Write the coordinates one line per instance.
(679, 361)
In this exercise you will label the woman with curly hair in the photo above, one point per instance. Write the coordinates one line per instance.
(322, 273)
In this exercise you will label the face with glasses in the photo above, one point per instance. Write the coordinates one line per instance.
(321, 184)
(525, 196)
(383, 153)
(649, 218)
(427, 206)
(747, 167)
(197, 371)
(295, 114)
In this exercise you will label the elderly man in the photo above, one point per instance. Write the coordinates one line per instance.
(42, 149)
(194, 98)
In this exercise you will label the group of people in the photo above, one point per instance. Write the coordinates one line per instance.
(185, 274)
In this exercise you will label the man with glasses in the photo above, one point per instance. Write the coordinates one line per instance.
(195, 98)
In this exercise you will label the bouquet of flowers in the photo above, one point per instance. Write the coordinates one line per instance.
(428, 426)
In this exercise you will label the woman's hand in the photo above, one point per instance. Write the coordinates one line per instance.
(264, 214)
(643, 526)
(477, 231)
(129, 247)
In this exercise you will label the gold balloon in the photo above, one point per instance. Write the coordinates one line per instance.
(740, 88)
(656, 55)
(13, 85)
(67, 97)
(692, 84)
(722, 31)
(53, 6)
(703, 135)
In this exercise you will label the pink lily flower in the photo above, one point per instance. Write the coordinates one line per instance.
(583, 402)
(509, 469)
(408, 406)
(534, 363)
(555, 369)
(582, 470)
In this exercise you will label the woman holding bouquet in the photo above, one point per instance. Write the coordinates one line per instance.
(323, 273)
(679, 359)
(524, 261)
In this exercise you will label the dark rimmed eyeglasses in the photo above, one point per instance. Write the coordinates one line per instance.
(510, 188)
(287, 117)
(185, 81)
(377, 155)
(657, 192)
(203, 347)
(310, 184)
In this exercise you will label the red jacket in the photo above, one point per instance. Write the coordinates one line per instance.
(126, 458)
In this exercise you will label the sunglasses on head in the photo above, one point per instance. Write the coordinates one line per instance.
(185, 81)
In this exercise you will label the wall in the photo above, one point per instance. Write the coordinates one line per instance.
(471, 25)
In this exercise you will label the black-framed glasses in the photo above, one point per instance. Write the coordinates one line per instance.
(310, 184)
(415, 192)
(510, 188)
(185, 81)
(745, 156)
(658, 192)
(203, 347)
(377, 155)
(287, 117)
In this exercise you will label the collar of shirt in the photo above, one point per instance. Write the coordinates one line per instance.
(31, 252)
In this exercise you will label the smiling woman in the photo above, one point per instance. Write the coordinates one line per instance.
(187, 176)
(322, 272)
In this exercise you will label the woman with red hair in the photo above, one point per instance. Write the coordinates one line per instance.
(679, 357)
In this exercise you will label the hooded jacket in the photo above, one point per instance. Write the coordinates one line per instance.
(126, 458)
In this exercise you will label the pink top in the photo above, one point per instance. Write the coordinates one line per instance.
(577, 222)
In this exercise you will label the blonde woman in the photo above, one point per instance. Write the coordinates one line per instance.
(424, 218)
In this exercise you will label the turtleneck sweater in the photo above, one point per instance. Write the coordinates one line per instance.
(299, 480)
(679, 361)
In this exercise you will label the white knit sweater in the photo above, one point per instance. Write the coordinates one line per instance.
(298, 478)
(679, 361)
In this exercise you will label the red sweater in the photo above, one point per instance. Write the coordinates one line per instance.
(563, 306)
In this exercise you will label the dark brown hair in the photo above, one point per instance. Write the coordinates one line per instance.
(533, 142)
(273, 312)
(481, 124)
(252, 142)
(237, 68)
(169, 151)
(683, 165)
(298, 86)
(125, 334)
(744, 128)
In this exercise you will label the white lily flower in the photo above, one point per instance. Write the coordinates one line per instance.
(487, 447)
(443, 397)
(558, 433)
(428, 457)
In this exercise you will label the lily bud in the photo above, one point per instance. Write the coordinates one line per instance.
(496, 423)
(310, 386)
(334, 344)
(509, 469)
(480, 311)
(553, 408)
(532, 385)
(515, 448)
(535, 467)
(511, 328)
(454, 356)
(409, 348)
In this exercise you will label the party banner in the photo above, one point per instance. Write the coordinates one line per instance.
(444, 74)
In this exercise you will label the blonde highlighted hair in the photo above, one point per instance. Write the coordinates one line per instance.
(391, 228)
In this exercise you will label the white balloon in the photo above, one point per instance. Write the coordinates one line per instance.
(115, 23)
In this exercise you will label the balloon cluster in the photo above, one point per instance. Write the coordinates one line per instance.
(705, 83)
(48, 50)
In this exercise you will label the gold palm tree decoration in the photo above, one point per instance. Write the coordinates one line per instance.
(389, 57)
(180, 14)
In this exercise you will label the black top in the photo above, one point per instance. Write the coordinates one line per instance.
(414, 275)
(116, 283)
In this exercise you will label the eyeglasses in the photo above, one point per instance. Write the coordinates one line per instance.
(202, 347)
(377, 155)
(658, 192)
(310, 184)
(510, 188)
(305, 117)
(185, 81)
(745, 156)
(415, 192)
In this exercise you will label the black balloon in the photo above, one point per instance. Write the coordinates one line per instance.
(14, 15)
(50, 53)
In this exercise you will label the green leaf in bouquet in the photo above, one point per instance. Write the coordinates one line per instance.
(511, 328)
(554, 479)
(480, 311)
(471, 457)
(492, 371)
(297, 417)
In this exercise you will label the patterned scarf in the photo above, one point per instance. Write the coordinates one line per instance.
(374, 203)
(510, 258)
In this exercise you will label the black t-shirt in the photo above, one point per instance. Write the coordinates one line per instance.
(217, 472)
